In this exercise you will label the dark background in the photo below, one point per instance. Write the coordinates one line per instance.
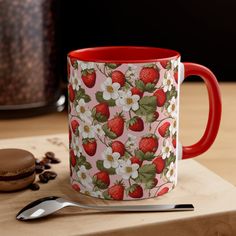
(202, 31)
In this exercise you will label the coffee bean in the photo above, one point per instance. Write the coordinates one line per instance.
(43, 179)
(50, 155)
(34, 187)
(39, 169)
(55, 160)
(47, 160)
(49, 175)
(47, 166)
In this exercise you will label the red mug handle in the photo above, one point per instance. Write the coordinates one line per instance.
(214, 115)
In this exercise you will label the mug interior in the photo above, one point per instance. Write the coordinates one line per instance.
(123, 54)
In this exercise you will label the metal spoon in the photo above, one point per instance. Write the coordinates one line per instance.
(48, 205)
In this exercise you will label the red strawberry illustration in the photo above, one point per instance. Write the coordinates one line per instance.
(149, 75)
(114, 127)
(136, 160)
(90, 146)
(164, 129)
(160, 164)
(136, 124)
(176, 76)
(136, 91)
(71, 93)
(116, 192)
(74, 125)
(119, 147)
(76, 187)
(72, 158)
(136, 191)
(160, 96)
(118, 77)
(89, 77)
(101, 112)
(148, 143)
(163, 191)
(174, 142)
(101, 180)
(164, 64)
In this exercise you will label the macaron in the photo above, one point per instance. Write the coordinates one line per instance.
(17, 169)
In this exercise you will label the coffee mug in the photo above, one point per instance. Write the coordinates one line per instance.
(124, 120)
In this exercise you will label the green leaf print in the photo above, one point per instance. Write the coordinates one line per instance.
(147, 105)
(100, 166)
(146, 173)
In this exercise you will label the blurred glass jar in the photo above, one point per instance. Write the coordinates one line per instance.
(29, 79)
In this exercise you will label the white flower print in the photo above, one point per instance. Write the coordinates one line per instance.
(171, 173)
(83, 112)
(173, 127)
(128, 101)
(131, 72)
(75, 81)
(166, 149)
(110, 90)
(87, 130)
(87, 65)
(96, 194)
(76, 147)
(126, 169)
(98, 130)
(110, 159)
(167, 82)
(174, 64)
(84, 177)
(130, 141)
(172, 108)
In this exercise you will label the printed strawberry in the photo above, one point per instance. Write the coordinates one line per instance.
(118, 77)
(76, 187)
(159, 163)
(148, 143)
(136, 91)
(160, 96)
(119, 147)
(90, 146)
(72, 158)
(71, 93)
(174, 142)
(101, 180)
(135, 191)
(163, 191)
(166, 64)
(74, 125)
(114, 127)
(136, 160)
(135, 124)
(101, 112)
(89, 77)
(164, 129)
(149, 75)
(176, 76)
(116, 192)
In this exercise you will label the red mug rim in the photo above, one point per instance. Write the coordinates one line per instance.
(123, 54)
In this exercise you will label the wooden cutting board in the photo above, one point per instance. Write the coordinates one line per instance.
(214, 200)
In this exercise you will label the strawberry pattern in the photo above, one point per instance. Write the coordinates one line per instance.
(123, 128)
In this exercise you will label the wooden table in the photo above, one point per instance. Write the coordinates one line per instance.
(220, 159)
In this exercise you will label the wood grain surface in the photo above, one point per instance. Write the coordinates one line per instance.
(212, 196)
